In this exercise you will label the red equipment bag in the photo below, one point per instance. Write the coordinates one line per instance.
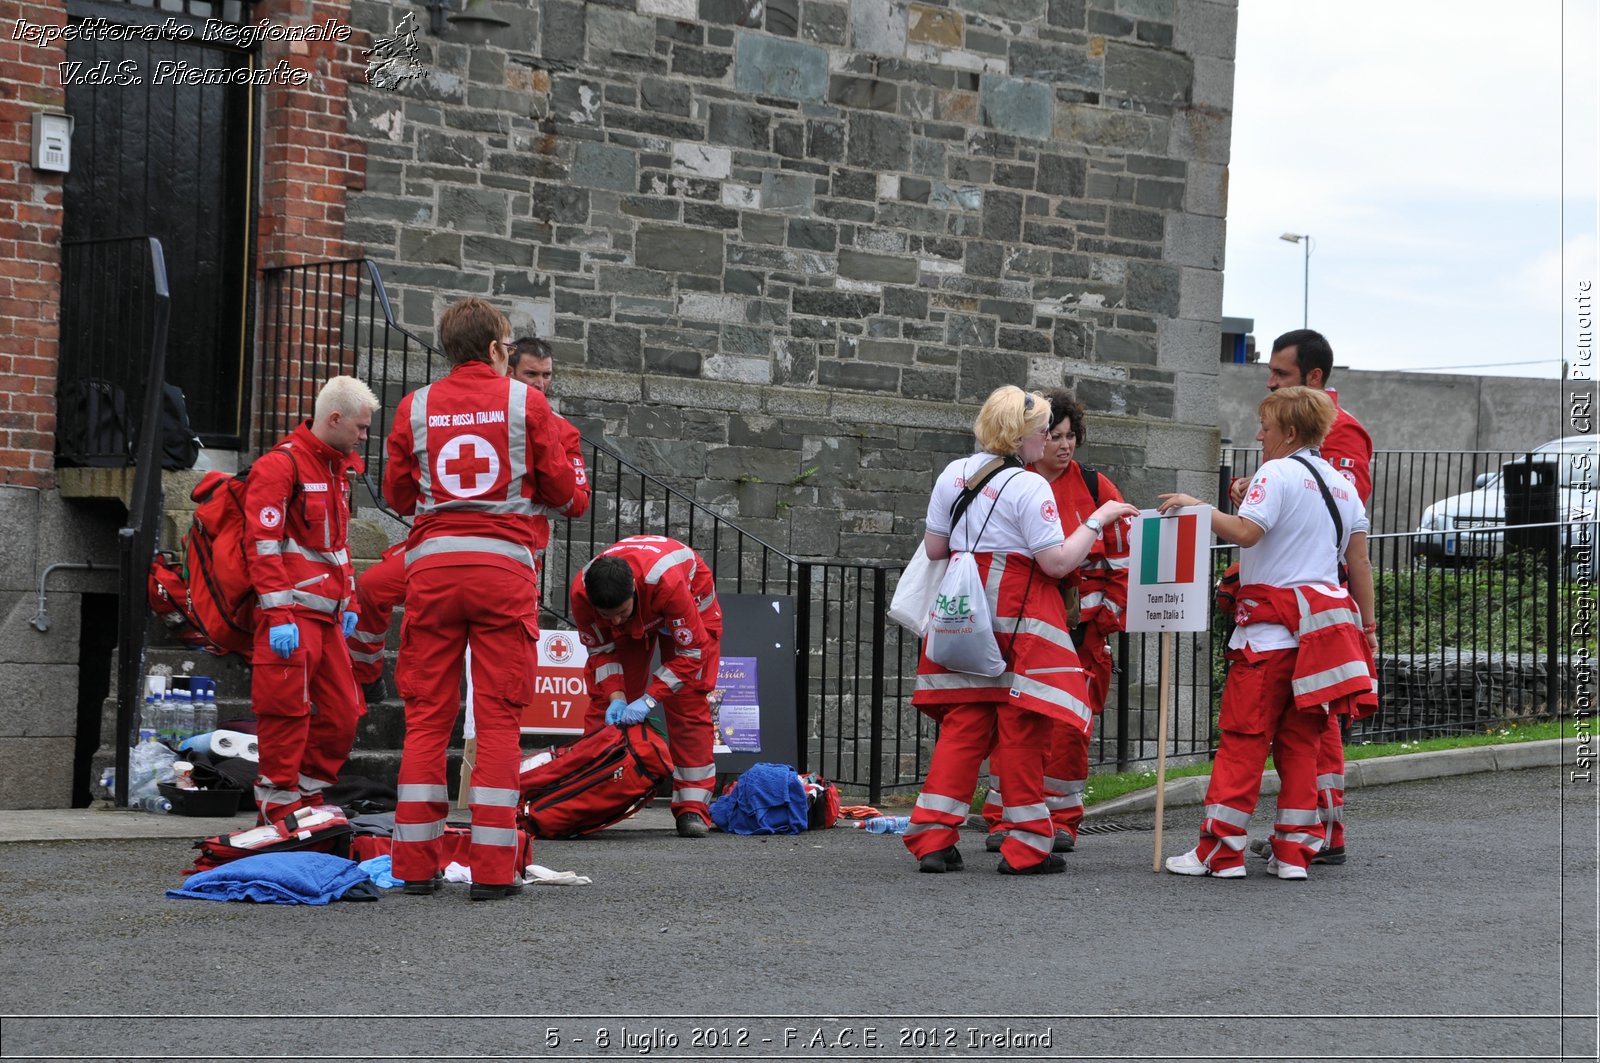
(603, 777)
(310, 830)
(168, 593)
(454, 847)
(222, 601)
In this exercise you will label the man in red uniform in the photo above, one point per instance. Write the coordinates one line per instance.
(473, 456)
(382, 587)
(533, 363)
(649, 590)
(297, 506)
(1304, 357)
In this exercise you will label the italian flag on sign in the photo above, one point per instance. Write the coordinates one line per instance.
(1168, 548)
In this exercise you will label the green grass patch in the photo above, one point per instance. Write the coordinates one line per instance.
(1104, 787)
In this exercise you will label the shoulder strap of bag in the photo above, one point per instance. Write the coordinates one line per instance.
(989, 471)
(1091, 480)
(1327, 500)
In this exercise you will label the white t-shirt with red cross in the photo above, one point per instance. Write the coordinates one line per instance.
(1015, 511)
(1297, 548)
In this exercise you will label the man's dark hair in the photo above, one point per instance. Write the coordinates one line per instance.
(530, 347)
(608, 582)
(1311, 351)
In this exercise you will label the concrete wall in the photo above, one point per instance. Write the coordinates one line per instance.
(39, 670)
(1415, 411)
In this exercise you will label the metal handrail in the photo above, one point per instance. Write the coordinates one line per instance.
(136, 540)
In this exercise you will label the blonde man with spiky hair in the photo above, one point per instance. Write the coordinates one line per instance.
(297, 508)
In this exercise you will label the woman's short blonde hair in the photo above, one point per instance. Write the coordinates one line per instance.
(1009, 414)
(1309, 412)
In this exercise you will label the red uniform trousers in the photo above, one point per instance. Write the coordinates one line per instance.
(1330, 783)
(378, 590)
(448, 607)
(1259, 717)
(966, 735)
(690, 734)
(1066, 765)
(302, 750)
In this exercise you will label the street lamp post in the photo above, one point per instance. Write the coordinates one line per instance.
(1305, 309)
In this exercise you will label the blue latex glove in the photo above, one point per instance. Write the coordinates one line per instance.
(631, 712)
(349, 624)
(635, 711)
(284, 639)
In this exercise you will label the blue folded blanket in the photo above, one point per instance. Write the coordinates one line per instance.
(767, 799)
(277, 878)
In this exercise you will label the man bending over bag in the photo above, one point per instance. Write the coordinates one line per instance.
(649, 588)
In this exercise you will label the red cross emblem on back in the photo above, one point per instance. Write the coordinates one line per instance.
(467, 465)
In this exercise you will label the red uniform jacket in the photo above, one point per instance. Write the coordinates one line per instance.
(297, 505)
(473, 456)
(1333, 665)
(675, 598)
(1102, 578)
(1348, 448)
(572, 445)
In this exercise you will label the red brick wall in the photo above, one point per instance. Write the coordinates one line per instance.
(309, 160)
(30, 254)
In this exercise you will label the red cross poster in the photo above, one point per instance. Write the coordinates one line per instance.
(560, 691)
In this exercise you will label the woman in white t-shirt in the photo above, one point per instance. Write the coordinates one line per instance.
(1013, 531)
(1300, 650)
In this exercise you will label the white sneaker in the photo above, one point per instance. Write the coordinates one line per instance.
(1287, 872)
(1190, 864)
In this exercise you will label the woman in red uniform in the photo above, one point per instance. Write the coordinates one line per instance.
(1300, 650)
(1013, 531)
(1096, 593)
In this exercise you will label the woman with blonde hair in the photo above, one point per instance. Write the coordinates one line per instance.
(1300, 651)
(1005, 517)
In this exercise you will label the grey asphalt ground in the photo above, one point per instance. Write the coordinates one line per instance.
(1462, 927)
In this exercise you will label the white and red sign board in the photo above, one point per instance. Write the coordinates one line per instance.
(560, 691)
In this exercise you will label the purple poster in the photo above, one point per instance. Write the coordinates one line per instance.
(736, 707)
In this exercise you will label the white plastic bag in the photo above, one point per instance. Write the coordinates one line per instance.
(914, 594)
(960, 627)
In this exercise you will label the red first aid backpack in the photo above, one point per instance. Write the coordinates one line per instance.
(311, 832)
(210, 602)
(603, 777)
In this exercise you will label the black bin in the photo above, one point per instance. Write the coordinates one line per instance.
(1532, 495)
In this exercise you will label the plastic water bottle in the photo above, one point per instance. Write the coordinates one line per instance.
(205, 704)
(186, 714)
(885, 824)
(155, 803)
(148, 715)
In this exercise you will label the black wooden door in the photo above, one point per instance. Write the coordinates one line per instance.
(174, 161)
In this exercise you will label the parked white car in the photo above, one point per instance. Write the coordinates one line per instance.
(1470, 524)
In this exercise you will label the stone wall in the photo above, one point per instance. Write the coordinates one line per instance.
(782, 248)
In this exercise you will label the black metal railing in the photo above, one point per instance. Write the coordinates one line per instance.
(109, 294)
(114, 327)
(855, 671)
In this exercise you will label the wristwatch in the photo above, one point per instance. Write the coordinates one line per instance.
(1095, 526)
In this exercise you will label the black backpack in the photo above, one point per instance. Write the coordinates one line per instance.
(92, 416)
(180, 447)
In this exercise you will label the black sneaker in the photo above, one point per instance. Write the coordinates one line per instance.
(483, 891)
(1054, 864)
(938, 863)
(1334, 856)
(423, 887)
(1064, 842)
(993, 842)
